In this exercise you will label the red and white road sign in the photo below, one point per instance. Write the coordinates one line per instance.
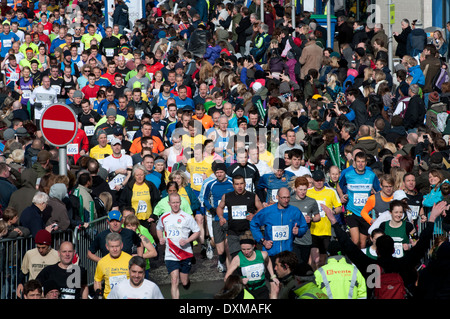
(59, 124)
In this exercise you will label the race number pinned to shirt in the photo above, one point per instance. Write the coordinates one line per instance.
(113, 281)
(321, 211)
(253, 272)
(109, 53)
(14, 77)
(360, 199)
(398, 250)
(249, 184)
(274, 195)
(57, 88)
(239, 212)
(26, 94)
(173, 232)
(73, 149)
(197, 179)
(280, 232)
(414, 211)
(139, 113)
(142, 206)
(89, 130)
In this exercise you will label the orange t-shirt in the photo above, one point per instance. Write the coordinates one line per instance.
(206, 120)
(136, 146)
(370, 204)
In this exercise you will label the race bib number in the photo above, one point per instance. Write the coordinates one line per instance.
(119, 179)
(89, 130)
(197, 179)
(239, 212)
(274, 195)
(14, 77)
(253, 272)
(280, 233)
(321, 211)
(130, 135)
(113, 281)
(57, 88)
(142, 206)
(110, 137)
(92, 100)
(173, 233)
(109, 52)
(398, 250)
(139, 113)
(38, 111)
(360, 199)
(26, 94)
(414, 211)
(249, 184)
(7, 43)
(73, 149)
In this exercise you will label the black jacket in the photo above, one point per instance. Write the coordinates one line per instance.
(127, 194)
(415, 113)
(360, 109)
(401, 39)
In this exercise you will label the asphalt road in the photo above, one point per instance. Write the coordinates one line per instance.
(206, 280)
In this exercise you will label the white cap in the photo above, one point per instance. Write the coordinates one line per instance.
(399, 195)
(115, 141)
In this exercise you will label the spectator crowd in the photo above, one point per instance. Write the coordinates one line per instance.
(226, 131)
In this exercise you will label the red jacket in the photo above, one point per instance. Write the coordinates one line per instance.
(83, 143)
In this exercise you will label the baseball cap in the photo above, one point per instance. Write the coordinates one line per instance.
(43, 237)
(399, 195)
(114, 215)
(318, 175)
(115, 141)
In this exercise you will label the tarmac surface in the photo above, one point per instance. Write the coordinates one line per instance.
(206, 280)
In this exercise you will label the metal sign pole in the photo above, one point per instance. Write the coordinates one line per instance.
(62, 151)
(262, 11)
(293, 16)
(329, 24)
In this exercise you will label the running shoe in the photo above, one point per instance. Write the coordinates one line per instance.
(209, 251)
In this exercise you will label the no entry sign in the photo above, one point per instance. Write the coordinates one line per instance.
(59, 124)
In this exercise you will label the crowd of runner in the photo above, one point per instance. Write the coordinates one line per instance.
(229, 129)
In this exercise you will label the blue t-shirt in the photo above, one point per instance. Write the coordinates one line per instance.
(182, 103)
(7, 41)
(358, 188)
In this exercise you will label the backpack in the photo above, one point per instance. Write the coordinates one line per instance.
(391, 287)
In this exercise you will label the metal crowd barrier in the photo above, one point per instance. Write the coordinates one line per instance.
(82, 239)
(12, 252)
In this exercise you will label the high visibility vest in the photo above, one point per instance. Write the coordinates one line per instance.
(339, 279)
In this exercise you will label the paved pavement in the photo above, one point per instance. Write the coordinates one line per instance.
(205, 278)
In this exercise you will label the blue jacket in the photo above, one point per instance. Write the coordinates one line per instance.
(214, 191)
(212, 53)
(417, 74)
(272, 184)
(271, 217)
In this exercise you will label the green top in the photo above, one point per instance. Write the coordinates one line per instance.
(164, 207)
(253, 270)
